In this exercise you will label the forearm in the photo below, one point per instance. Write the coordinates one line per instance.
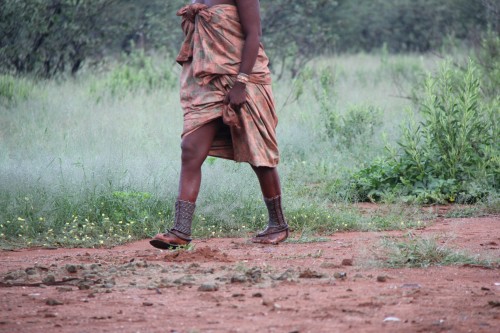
(249, 53)
(248, 11)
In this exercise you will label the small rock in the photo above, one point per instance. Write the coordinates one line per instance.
(347, 262)
(71, 268)
(50, 315)
(381, 278)
(15, 275)
(53, 302)
(340, 275)
(83, 286)
(254, 274)
(238, 278)
(310, 274)
(208, 287)
(147, 304)
(287, 275)
(30, 270)
(50, 278)
(186, 280)
(494, 304)
(95, 267)
(257, 294)
(64, 289)
(391, 319)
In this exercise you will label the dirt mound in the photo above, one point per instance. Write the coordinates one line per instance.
(200, 255)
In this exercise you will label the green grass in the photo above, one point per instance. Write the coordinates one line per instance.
(424, 252)
(80, 168)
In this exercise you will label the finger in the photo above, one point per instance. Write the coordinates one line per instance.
(236, 107)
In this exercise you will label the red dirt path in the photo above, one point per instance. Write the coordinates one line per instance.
(229, 285)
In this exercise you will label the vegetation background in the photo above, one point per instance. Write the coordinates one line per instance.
(387, 101)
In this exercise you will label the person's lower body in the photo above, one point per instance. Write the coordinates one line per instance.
(195, 148)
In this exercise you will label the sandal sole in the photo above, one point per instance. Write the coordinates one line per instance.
(162, 245)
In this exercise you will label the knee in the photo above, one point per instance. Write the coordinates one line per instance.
(190, 153)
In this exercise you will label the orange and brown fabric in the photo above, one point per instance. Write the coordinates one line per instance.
(210, 57)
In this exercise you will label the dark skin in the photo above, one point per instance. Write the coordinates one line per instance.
(196, 145)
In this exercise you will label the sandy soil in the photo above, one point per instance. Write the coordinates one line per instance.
(230, 285)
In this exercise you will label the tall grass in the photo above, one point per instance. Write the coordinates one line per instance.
(79, 166)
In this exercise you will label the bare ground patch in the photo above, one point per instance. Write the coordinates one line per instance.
(229, 285)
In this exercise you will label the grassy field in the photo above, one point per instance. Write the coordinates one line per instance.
(95, 160)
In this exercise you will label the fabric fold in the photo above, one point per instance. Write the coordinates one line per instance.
(211, 57)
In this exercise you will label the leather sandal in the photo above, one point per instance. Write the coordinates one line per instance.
(169, 240)
(272, 235)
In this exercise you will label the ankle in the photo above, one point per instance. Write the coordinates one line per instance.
(275, 210)
(184, 211)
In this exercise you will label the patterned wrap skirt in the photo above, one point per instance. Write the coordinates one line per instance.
(210, 57)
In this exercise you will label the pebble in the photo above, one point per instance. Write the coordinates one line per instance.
(287, 275)
(381, 278)
(494, 304)
(71, 268)
(53, 302)
(340, 275)
(50, 278)
(208, 287)
(347, 262)
(238, 278)
(147, 304)
(310, 274)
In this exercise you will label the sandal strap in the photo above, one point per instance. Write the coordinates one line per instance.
(179, 234)
(272, 230)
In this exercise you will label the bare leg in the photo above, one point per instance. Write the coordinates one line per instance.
(195, 149)
(277, 228)
(269, 181)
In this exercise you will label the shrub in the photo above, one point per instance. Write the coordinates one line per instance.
(452, 154)
(356, 126)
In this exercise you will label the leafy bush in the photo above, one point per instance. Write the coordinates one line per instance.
(451, 155)
(138, 73)
(356, 126)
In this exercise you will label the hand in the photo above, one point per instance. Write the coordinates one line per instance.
(236, 97)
